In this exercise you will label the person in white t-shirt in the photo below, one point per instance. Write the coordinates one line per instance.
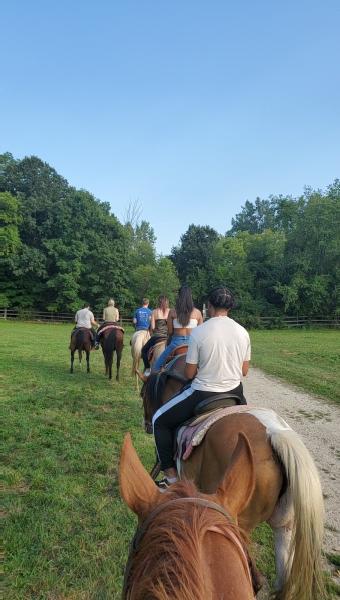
(217, 359)
(85, 318)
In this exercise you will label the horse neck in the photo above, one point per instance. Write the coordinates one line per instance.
(188, 561)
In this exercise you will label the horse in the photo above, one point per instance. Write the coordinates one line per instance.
(81, 340)
(287, 492)
(198, 552)
(157, 349)
(111, 340)
(138, 340)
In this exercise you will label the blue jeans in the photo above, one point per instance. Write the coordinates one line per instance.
(177, 340)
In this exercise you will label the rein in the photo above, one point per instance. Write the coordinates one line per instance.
(134, 546)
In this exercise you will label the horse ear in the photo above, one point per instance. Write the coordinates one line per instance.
(137, 488)
(238, 484)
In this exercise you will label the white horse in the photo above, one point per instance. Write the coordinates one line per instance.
(138, 340)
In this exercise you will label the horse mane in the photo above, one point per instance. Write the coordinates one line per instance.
(171, 549)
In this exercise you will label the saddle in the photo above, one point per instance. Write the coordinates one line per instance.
(77, 329)
(156, 382)
(161, 340)
(110, 325)
(191, 433)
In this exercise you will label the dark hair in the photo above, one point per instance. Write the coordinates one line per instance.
(184, 305)
(86, 305)
(163, 303)
(221, 297)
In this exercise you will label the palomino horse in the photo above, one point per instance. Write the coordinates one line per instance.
(287, 492)
(111, 340)
(138, 340)
(81, 340)
(157, 350)
(188, 545)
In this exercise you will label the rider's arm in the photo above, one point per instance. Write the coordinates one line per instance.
(153, 323)
(246, 361)
(170, 322)
(192, 360)
(190, 370)
(199, 317)
(245, 368)
(93, 320)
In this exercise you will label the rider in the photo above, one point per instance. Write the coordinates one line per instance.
(218, 356)
(181, 322)
(85, 318)
(158, 326)
(110, 315)
(142, 316)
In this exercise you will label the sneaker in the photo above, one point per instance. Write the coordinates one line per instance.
(96, 346)
(147, 372)
(163, 484)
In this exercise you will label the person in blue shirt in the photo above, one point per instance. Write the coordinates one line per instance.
(142, 316)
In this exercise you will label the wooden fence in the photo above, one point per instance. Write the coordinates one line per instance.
(264, 322)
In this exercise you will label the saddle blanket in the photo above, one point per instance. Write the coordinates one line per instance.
(110, 327)
(190, 436)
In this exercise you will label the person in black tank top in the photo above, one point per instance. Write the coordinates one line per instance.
(158, 326)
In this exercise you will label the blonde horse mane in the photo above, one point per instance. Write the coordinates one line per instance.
(169, 562)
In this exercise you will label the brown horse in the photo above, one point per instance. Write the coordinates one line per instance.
(81, 340)
(111, 340)
(188, 545)
(287, 492)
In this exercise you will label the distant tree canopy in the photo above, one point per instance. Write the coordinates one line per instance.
(60, 246)
(280, 256)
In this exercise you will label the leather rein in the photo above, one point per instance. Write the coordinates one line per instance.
(135, 543)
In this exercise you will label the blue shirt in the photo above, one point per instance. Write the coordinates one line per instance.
(143, 318)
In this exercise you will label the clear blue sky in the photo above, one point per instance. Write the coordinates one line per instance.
(191, 107)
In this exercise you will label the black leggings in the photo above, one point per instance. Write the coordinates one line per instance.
(175, 412)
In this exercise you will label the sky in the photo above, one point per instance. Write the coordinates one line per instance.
(189, 108)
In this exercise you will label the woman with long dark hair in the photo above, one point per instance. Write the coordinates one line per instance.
(158, 326)
(181, 320)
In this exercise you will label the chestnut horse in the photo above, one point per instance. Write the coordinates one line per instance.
(111, 340)
(188, 545)
(81, 340)
(287, 492)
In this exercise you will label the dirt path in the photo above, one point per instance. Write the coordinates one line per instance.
(318, 424)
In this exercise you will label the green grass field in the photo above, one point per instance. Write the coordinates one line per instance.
(307, 358)
(67, 531)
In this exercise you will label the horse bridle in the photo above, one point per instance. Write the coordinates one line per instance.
(134, 546)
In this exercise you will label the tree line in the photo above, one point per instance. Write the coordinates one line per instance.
(60, 247)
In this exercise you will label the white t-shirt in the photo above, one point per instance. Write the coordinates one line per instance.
(219, 347)
(84, 317)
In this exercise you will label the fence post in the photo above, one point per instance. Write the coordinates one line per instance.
(5, 313)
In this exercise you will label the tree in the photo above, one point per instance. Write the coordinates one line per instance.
(193, 259)
(71, 247)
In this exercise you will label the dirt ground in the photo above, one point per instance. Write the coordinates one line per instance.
(318, 423)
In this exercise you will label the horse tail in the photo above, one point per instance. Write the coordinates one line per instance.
(304, 579)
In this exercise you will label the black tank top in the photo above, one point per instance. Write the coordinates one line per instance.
(161, 328)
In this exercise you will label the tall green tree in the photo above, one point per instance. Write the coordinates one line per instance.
(194, 259)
